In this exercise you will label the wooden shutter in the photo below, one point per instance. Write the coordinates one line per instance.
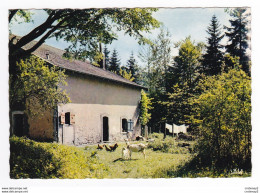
(72, 118)
(62, 118)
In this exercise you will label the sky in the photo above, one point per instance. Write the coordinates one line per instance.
(180, 22)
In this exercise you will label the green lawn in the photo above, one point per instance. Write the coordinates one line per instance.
(155, 165)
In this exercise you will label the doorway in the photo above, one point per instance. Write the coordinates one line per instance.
(18, 124)
(105, 129)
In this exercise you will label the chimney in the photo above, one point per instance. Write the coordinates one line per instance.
(102, 62)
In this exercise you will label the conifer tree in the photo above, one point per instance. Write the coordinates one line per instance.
(213, 58)
(238, 35)
(132, 67)
(114, 64)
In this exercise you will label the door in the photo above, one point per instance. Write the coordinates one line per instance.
(18, 125)
(105, 129)
(68, 135)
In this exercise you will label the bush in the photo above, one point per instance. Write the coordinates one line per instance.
(168, 145)
(223, 115)
(157, 136)
(30, 159)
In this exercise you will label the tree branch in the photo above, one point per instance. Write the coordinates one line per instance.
(38, 31)
(11, 14)
(42, 40)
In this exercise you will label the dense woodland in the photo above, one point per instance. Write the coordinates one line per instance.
(206, 86)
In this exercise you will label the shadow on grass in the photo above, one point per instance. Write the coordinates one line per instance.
(121, 159)
(201, 167)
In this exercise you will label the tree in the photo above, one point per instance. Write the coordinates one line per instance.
(238, 36)
(212, 60)
(126, 75)
(37, 85)
(132, 67)
(114, 64)
(145, 106)
(106, 55)
(158, 57)
(185, 76)
(223, 115)
(187, 63)
(84, 29)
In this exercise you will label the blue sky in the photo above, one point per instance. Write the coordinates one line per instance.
(180, 22)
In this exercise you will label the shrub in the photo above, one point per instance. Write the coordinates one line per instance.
(30, 159)
(223, 115)
(157, 136)
(168, 145)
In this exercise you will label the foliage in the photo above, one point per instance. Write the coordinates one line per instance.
(223, 116)
(187, 63)
(37, 84)
(18, 14)
(145, 106)
(212, 60)
(158, 58)
(193, 168)
(132, 67)
(168, 144)
(106, 55)
(178, 104)
(238, 36)
(30, 159)
(185, 75)
(86, 28)
(114, 63)
(126, 75)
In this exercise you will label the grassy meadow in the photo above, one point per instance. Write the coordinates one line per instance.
(156, 164)
(165, 158)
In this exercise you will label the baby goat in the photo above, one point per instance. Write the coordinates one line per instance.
(125, 153)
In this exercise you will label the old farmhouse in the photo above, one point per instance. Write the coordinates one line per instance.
(104, 106)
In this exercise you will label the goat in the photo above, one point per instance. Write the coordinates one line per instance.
(113, 147)
(125, 153)
(136, 148)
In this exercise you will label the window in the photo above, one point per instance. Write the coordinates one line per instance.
(130, 124)
(67, 118)
(124, 125)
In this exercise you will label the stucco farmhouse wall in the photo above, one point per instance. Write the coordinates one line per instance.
(92, 99)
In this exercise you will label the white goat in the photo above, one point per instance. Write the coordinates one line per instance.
(136, 148)
(125, 153)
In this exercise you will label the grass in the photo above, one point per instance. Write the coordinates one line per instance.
(156, 165)
(164, 159)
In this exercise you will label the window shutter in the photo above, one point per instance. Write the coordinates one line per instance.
(62, 118)
(72, 118)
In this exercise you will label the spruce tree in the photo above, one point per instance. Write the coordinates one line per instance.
(114, 64)
(132, 67)
(237, 36)
(212, 59)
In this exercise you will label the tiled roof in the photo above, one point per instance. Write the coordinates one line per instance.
(86, 68)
